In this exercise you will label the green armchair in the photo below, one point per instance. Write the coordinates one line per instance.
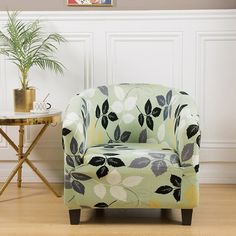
(131, 146)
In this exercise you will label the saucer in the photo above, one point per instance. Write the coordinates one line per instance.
(39, 112)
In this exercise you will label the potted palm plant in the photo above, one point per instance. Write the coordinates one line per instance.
(26, 45)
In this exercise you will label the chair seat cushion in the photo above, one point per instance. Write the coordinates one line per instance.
(134, 155)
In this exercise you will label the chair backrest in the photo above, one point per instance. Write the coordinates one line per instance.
(132, 113)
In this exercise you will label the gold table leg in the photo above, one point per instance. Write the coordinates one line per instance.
(23, 158)
(20, 154)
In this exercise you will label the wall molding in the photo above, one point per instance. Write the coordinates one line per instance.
(175, 37)
(128, 15)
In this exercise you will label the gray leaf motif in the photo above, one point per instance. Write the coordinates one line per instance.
(187, 152)
(78, 187)
(168, 97)
(161, 100)
(159, 167)
(74, 146)
(157, 155)
(143, 136)
(140, 162)
(174, 159)
(165, 114)
(103, 90)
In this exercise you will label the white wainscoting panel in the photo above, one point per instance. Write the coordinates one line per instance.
(191, 50)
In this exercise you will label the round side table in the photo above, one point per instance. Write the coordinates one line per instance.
(22, 120)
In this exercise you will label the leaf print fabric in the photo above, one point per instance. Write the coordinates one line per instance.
(131, 146)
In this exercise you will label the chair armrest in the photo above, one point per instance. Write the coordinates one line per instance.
(75, 123)
(188, 133)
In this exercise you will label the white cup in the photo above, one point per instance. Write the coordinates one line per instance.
(40, 106)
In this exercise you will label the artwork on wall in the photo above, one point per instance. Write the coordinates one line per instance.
(100, 3)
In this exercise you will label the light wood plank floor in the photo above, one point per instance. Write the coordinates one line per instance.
(33, 210)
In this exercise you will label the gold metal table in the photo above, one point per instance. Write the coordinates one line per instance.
(22, 120)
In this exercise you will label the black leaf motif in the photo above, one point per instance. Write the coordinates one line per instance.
(81, 148)
(177, 194)
(69, 161)
(164, 189)
(140, 162)
(112, 116)
(141, 119)
(148, 107)
(111, 154)
(196, 168)
(143, 136)
(168, 97)
(159, 167)
(177, 111)
(181, 108)
(63, 143)
(198, 140)
(105, 107)
(187, 152)
(115, 162)
(156, 111)
(174, 159)
(165, 113)
(192, 130)
(149, 122)
(79, 159)
(175, 180)
(104, 90)
(65, 131)
(101, 205)
(104, 122)
(98, 111)
(125, 136)
(161, 100)
(184, 93)
(117, 133)
(74, 146)
(97, 161)
(80, 176)
(177, 123)
(102, 171)
(78, 187)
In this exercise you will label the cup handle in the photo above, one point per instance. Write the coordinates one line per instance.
(49, 106)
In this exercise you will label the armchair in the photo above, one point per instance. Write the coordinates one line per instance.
(131, 146)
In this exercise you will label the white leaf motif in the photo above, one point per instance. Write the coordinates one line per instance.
(132, 181)
(128, 118)
(80, 127)
(88, 93)
(119, 193)
(161, 132)
(114, 177)
(70, 119)
(130, 103)
(119, 92)
(100, 190)
(117, 107)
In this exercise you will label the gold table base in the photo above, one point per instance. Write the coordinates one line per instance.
(23, 157)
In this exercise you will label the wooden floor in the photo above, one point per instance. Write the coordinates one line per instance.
(33, 210)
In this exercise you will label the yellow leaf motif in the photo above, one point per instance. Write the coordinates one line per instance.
(154, 204)
(191, 196)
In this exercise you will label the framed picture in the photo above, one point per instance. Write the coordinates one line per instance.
(97, 3)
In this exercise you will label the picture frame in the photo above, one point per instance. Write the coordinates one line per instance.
(90, 3)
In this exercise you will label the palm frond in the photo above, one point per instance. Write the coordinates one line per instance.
(26, 45)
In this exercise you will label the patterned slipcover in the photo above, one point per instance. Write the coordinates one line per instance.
(131, 146)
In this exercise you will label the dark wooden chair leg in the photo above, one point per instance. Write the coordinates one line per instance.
(186, 216)
(74, 216)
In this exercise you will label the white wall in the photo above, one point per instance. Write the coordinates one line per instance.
(191, 50)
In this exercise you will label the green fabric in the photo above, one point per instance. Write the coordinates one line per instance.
(131, 146)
